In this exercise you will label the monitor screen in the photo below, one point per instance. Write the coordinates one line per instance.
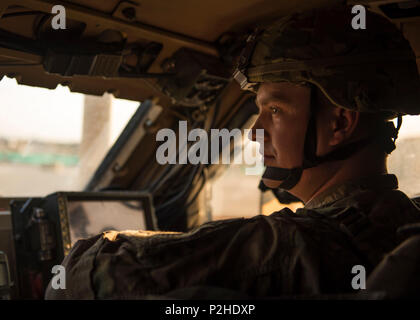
(88, 218)
(45, 229)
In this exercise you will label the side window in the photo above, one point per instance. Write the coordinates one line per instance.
(234, 194)
(404, 161)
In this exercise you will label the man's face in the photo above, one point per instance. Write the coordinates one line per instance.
(283, 114)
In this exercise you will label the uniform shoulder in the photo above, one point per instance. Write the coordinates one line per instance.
(104, 266)
(96, 253)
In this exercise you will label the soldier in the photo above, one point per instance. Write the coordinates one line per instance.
(325, 94)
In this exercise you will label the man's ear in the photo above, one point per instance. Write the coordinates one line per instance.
(343, 124)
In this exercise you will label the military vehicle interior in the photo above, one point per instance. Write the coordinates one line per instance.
(174, 61)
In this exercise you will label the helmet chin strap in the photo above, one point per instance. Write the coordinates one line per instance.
(291, 177)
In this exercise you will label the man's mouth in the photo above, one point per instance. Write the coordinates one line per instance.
(268, 158)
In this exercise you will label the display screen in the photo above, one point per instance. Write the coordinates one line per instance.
(88, 218)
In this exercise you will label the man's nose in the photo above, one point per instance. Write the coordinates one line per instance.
(252, 135)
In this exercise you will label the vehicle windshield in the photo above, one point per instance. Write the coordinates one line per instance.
(53, 140)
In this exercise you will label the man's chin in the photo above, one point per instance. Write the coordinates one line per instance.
(271, 183)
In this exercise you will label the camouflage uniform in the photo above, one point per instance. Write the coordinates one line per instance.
(308, 252)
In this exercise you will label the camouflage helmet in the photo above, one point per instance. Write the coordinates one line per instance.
(368, 70)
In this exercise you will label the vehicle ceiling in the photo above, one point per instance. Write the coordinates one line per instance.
(183, 23)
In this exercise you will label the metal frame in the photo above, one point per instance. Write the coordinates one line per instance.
(89, 15)
(63, 198)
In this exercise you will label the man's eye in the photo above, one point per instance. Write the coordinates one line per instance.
(274, 110)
